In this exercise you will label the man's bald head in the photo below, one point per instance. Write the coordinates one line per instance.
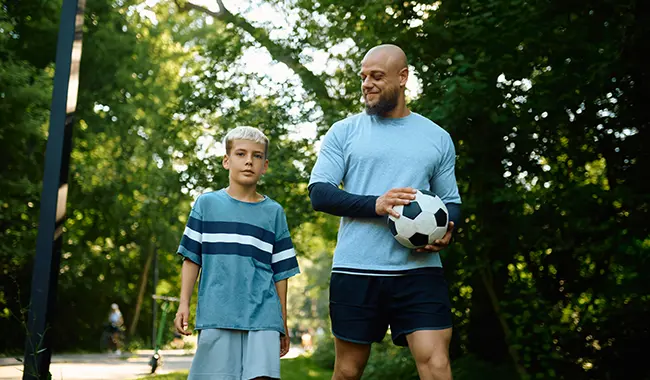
(391, 56)
(384, 73)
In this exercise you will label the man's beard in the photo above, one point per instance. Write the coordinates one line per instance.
(384, 104)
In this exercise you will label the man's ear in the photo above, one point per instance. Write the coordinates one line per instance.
(403, 76)
(226, 162)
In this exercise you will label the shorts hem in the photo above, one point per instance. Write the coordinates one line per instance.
(213, 376)
(352, 340)
(403, 334)
(238, 328)
(253, 375)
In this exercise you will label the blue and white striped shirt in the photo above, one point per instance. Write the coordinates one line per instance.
(243, 249)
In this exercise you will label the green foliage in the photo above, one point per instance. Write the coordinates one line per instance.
(388, 361)
(323, 355)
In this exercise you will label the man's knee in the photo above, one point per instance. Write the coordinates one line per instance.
(432, 360)
(348, 370)
(439, 362)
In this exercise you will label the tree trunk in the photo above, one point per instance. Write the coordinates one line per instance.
(143, 286)
(486, 277)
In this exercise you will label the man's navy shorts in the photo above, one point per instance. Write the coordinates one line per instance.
(363, 306)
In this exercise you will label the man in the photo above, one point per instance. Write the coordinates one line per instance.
(381, 156)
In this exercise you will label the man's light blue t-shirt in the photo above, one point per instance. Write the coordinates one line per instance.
(370, 155)
(243, 249)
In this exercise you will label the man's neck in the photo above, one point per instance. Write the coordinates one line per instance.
(244, 193)
(399, 111)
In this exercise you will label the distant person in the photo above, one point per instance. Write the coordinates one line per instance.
(239, 239)
(306, 340)
(115, 317)
(115, 323)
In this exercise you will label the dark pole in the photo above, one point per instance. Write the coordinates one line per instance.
(38, 352)
(154, 303)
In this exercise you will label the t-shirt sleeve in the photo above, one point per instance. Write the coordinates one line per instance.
(443, 181)
(192, 240)
(330, 164)
(283, 259)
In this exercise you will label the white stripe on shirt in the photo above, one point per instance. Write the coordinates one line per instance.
(236, 238)
(190, 233)
(287, 253)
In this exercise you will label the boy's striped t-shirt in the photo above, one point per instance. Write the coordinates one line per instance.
(243, 249)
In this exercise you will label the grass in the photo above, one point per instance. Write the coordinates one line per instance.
(300, 368)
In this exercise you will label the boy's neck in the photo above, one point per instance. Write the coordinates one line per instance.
(244, 193)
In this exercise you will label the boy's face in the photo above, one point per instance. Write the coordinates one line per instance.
(246, 162)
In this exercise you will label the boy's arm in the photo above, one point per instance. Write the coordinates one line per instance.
(281, 287)
(189, 274)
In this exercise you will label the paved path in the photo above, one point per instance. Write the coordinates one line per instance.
(109, 367)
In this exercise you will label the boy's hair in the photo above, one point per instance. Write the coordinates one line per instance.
(246, 133)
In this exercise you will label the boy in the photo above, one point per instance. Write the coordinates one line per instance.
(240, 241)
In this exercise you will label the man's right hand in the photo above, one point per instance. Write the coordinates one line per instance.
(181, 322)
(394, 197)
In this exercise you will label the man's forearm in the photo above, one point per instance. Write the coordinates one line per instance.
(189, 274)
(281, 288)
(328, 198)
(454, 213)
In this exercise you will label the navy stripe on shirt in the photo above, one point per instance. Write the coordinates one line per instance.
(237, 249)
(231, 228)
(284, 265)
(282, 245)
(191, 244)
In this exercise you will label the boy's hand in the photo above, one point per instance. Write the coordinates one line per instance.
(181, 322)
(284, 345)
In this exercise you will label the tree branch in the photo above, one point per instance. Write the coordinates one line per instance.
(312, 83)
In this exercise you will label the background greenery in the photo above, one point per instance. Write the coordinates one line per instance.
(544, 100)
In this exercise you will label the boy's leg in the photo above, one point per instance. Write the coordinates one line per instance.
(261, 359)
(420, 317)
(357, 321)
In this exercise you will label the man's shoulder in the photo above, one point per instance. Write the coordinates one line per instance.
(350, 121)
(428, 123)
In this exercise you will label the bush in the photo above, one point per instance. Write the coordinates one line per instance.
(323, 355)
(469, 367)
(388, 361)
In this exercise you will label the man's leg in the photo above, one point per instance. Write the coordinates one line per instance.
(351, 359)
(357, 321)
(420, 317)
(430, 349)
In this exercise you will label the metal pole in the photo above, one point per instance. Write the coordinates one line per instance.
(38, 352)
(154, 304)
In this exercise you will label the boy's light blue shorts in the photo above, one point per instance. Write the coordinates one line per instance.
(223, 354)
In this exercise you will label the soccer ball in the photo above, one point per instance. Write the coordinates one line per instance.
(421, 222)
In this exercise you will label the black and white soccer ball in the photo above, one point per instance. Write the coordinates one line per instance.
(421, 222)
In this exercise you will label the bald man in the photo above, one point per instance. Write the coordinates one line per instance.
(380, 157)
